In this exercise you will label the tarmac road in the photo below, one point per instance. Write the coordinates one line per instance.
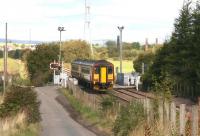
(55, 119)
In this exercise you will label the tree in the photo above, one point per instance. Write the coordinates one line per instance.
(136, 45)
(38, 62)
(180, 56)
(183, 26)
(196, 40)
(113, 51)
(75, 49)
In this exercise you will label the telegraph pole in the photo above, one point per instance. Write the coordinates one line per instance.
(5, 63)
(120, 29)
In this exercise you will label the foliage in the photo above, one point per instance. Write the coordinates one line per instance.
(129, 118)
(146, 58)
(85, 111)
(180, 56)
(129, 50)
(164, 86)
(30, 130)
(101, 52)
(1, 54)
(18, 80)
(21, 99)
(38, 61)
(75, 49)
(113, 51)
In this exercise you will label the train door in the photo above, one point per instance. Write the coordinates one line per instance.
(103, 75)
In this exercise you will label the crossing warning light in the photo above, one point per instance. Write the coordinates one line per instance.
(54, 66)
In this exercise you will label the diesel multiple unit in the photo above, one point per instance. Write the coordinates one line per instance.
(96, 74)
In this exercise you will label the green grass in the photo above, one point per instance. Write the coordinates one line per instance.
(87, 113)
(127, 65)
(31, 130)
(14, 67)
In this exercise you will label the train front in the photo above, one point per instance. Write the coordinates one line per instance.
(103, 76)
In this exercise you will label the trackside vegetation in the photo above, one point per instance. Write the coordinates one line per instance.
(110, 116)
(19, 112)
(179, 57)
(101, 118)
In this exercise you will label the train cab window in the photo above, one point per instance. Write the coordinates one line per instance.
(96, 70)
(110, 70)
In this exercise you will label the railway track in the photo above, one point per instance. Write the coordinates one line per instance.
(128, 95)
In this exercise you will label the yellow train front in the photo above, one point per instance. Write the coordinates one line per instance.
(95, 74)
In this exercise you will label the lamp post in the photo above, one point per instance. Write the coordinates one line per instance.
(120, 52)
(60, 29)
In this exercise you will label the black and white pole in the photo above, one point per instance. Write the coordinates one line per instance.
(120, 52)
(60, 29)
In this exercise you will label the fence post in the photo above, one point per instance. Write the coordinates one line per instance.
(173, 116)
(195, 120)
(148, 109)
(160, 112)
(182, 119)
(166, 105)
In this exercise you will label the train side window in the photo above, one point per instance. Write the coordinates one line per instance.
(110, 70)
(85, 70)
(96, 70)
(75, 67)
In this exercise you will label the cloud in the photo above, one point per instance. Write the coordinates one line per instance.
(141, 19)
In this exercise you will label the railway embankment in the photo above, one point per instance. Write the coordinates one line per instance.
(121, 106)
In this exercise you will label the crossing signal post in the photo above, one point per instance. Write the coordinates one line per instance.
(54, 66)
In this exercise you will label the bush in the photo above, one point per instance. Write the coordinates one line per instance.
(21, 99)
(129, 118)
(38, 61)
(41, 78)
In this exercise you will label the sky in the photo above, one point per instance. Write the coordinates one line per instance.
(39, 19)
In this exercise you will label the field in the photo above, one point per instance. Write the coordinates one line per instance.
(14, 67)
(127, 65)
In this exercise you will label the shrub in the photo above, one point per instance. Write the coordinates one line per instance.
(129, 118)
(21, 99)
(41, 78)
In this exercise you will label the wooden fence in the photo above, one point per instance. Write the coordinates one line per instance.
(183, 120)
(87, 98)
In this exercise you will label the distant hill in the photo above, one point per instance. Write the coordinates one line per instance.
(20, 41)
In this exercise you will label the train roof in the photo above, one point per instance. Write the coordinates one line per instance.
(91, 62)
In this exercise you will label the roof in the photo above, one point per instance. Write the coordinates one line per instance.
(91, 62)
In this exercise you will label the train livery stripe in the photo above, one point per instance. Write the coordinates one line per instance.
(103, 75)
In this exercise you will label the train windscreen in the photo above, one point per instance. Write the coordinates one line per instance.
(96, 70)
(110, 70)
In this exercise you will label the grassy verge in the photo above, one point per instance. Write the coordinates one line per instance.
(15, 67)
(94, 117)
(31, 130)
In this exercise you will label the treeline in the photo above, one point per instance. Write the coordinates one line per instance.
(111, 50)
(179, 59)
(38, 60)
(16, 54)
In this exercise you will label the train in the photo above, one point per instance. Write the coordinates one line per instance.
(95, 74)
